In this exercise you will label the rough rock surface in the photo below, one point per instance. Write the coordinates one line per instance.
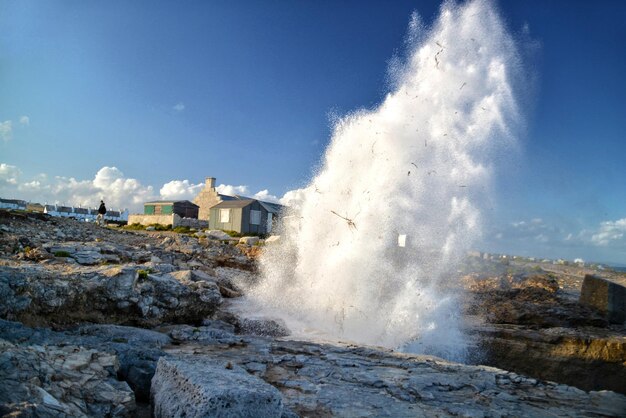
(137, 349)
(528, 325)
(586, 358)
(608, 297)
(61, 381)
(122, 295)
(195, 387)
(81, 280)
(334, 380)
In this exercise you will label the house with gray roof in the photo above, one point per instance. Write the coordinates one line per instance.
(244, 215)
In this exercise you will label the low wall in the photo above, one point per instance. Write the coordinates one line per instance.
(192, 223)
(172, 219)
(153, 219)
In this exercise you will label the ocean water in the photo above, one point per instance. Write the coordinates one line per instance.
(368, 252)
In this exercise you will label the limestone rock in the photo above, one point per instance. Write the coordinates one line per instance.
(198, 387)
(263, 327)
(118, 295)
(201, 334)
(248, 240)
(217, 234)
(61, 381)
(585, 358)
(338, 380)
(272, 239)
(606, 296)
(137, 349)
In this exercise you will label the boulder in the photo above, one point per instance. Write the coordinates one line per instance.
(202, 334)
(137, 350)
(606, 296)
(195, 387)
(263, 327)
(61, 381)
(248, 240)
(272, 239)
(217, 234)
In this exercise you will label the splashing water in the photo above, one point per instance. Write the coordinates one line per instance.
(412, 172)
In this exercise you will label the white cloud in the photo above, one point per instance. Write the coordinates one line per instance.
(609, 232)
(288, 199)
(180, 190)
(25, 120)
(293, 198)
(265, 196)
(6, 130)
(179, 107)
(111, 185)
(229, 190)
(9, 174)
(535, 230)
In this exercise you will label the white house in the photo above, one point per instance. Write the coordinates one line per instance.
(12, 204)
(85, 214)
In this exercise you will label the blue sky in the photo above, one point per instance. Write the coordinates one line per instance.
(145, 99)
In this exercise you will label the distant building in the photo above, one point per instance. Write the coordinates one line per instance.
(209, 197)
(183, 208)
(244, 215)
(169, 212)
(34, 207)
(12, 204)
(84, 214)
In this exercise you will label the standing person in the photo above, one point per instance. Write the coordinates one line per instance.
(102, 210)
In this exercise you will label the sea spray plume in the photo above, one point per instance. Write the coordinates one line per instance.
(417, 166)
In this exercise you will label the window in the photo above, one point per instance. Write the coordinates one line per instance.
(255, 217)
(224, 215)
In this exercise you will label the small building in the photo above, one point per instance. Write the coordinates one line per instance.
(209, 197)
(84, 214)
(169, 212)
(34, 207)
(12, 204)
(183, 208)
(245, 216)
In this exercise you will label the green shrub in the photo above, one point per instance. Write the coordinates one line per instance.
(182, 229)
(61, 254)
(159, 227)
(135, 227)
(143, 274)
(233, 234)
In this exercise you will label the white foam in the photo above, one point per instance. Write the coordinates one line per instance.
(417, 165)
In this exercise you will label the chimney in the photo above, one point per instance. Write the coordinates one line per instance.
(210, 182)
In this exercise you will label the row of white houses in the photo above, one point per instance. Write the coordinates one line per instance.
(83, 214)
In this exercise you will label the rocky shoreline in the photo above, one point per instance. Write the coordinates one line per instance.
(112, 323)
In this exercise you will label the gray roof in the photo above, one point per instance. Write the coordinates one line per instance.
(227, 197)
(163, 202)
(271, 207)
(14, 201)
(233, 204)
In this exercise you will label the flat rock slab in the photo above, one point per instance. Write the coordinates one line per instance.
(200, 387)
(326, 380)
